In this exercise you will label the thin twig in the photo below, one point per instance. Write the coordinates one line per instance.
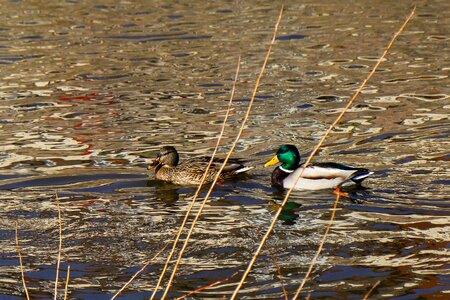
(205, 287)
(280, 276)
(337, 120)
(67, 283)
(20, 261)
(140, 271)
(58, 263)
(191, 205)
(238, 136)
(324, 238)
(371, 290)
(313, 153)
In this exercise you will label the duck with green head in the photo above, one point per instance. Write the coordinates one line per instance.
(315, 176)
(190, 172)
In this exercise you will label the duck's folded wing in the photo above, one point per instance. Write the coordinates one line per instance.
(327, 171)
(200, 163)
(313, 178)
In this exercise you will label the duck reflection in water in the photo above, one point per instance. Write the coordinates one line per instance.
(164, 192)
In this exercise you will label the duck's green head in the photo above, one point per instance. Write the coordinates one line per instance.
(289, 157)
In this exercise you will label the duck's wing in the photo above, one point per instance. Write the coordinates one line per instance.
(324, 175)
(233, 165)
(328, 170)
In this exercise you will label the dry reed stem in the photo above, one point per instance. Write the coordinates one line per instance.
(140, 271)
(371, 290)
(324, 238)
(331, 128)
(66, 290)
(205, 287)
(313, 153)
(20, 261)
(58, 263)
(238, 136)
(280, 276)
(191, 205)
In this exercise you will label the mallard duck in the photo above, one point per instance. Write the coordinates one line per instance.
(191, 171)
(316, 176)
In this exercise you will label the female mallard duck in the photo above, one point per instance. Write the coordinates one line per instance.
(191, 171)
(315, 176)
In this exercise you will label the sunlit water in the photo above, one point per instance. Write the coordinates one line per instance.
(89, 92)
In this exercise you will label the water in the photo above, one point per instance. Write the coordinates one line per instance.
(89, 92)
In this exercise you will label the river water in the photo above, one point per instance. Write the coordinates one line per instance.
(89, 92)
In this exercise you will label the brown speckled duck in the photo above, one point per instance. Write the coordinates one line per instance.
(190, 172)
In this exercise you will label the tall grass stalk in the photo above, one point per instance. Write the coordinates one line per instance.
(58, 262)
(66, 290)
(313, 153)
(21, 263)
(237, 138)
(191, 205)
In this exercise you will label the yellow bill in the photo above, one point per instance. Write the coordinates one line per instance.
(273, 161)
(153, 164)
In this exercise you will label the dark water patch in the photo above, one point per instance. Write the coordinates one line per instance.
(175, 17)
(359, 151)
(443, 182)
(355, 66)
(105, 77)
(341, 272)
(33, 106)
(421, 171)
(224, 11)
(314, 73)
(185, 37)
(418, 78)
(328, 98)
(290, 37)
(20, 58)
(182, 55)
(305, 106)
(114, 187)
(210, 85)
(198, 111)
(65, 180)
(382, 137)
(405, 160)
(146, 37)
(32, 37)
(129, 25)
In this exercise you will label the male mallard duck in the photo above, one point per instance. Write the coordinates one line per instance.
(191, 171)
(316, 176)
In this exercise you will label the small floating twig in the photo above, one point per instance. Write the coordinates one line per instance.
(20, 261)
(140, 271)
(66, 290)
(58, 262)
(366, 296)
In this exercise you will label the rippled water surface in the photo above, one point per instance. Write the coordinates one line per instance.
(90, 91)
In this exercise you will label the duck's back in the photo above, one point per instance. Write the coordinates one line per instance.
(191, 171)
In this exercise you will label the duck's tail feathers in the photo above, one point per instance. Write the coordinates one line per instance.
(243, 169)
(360, 175)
